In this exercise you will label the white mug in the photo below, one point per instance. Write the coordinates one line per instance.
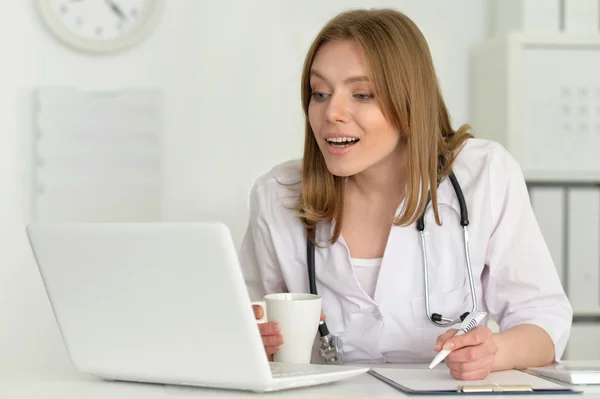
(298, 316)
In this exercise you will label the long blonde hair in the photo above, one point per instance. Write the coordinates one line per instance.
(404, 78)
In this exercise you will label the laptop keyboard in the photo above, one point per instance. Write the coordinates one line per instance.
(591, 369)
(279, 370)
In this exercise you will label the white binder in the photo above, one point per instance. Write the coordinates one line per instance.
(584, 252)
(549, 207)
(582, 16)
(97, 155)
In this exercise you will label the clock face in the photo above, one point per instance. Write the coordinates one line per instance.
(100, 19)
(99, 25)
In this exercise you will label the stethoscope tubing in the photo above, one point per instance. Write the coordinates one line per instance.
(435, 318)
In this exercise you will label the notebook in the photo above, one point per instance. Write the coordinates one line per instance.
(439, 381)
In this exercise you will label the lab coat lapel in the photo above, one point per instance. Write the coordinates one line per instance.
(333, 269)
(401, 275)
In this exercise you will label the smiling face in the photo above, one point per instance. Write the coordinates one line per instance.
(346, 118)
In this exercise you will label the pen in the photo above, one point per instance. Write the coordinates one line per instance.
(469, 323)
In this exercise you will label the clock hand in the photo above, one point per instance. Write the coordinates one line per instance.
(116, 9)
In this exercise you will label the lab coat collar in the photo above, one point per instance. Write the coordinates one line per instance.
(445, 196)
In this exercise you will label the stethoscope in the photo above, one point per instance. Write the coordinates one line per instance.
(331, 347)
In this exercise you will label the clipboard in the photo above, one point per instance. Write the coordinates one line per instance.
(440, 382)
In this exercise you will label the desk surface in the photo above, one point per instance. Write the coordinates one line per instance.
(72, 385)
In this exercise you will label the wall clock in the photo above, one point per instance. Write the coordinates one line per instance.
(101, 26)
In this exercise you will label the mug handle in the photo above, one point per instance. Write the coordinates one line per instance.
(263, 305)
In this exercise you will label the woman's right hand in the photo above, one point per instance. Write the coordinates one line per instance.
(269, 333)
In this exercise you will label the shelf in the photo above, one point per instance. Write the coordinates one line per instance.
(563, 177)
(590, 312)
(559, 39)
(584, 316)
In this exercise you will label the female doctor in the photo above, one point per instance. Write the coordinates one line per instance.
(378, 144)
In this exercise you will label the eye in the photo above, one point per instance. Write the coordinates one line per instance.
(319, 96)
(363, 96)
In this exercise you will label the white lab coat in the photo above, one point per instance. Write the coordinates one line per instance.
(515, 277)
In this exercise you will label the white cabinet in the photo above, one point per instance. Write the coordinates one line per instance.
(538, 94)
(569, 218)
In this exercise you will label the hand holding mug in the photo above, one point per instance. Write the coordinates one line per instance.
(288, 324)
(269, 332)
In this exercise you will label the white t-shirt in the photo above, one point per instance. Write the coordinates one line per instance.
(366, 272)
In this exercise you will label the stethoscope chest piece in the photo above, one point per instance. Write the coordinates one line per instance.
(330, 348)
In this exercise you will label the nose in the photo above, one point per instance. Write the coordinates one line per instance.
(337, 110)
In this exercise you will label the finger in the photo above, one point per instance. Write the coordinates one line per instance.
(271, 350)
(258, 312)
(443, 338)
(472, 353)
(272, 340)
(471, 375)
(474, 337)
(477, 364)
(270, 328)
(322, 316)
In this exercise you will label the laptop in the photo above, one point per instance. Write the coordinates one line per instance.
(573, 372)
(160, 303)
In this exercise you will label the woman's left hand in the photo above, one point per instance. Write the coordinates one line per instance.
(473, 353)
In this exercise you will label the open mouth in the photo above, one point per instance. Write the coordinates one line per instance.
(342, 142)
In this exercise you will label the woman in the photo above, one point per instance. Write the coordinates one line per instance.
(378, 144)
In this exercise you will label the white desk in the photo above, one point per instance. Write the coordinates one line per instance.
(71, 385)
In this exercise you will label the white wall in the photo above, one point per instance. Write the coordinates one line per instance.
(230, 72)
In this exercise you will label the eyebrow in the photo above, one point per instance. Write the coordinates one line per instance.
(352, 79)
